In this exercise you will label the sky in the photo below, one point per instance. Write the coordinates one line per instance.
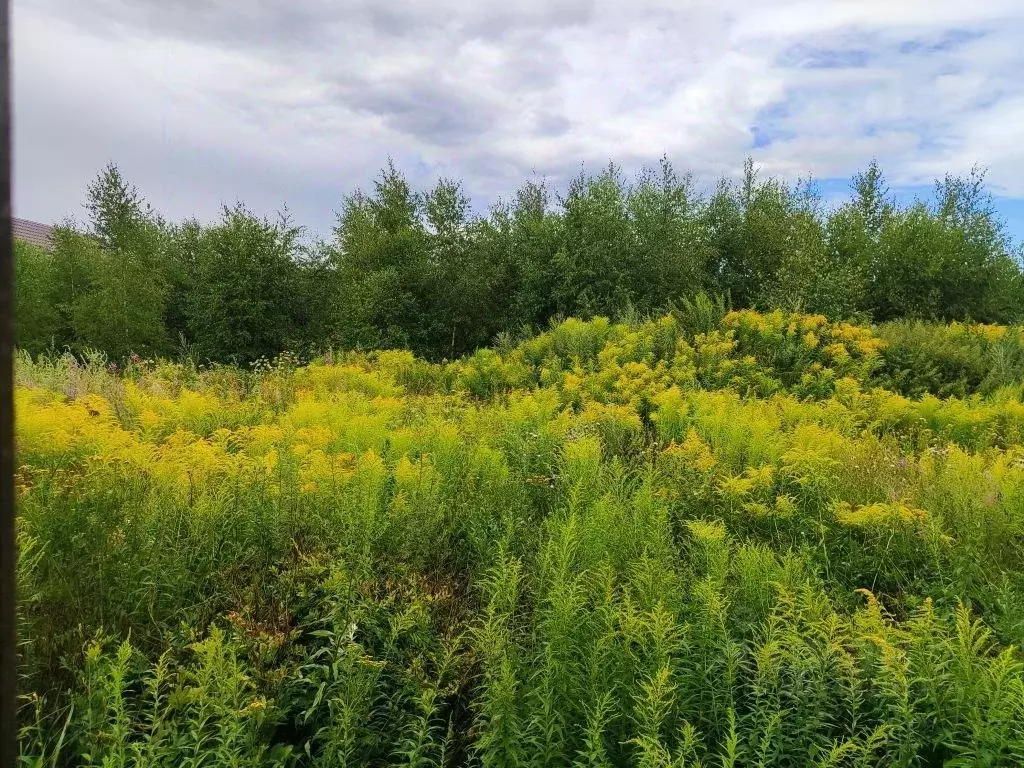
(297, 103)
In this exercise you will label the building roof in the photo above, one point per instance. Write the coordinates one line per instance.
(32, 232)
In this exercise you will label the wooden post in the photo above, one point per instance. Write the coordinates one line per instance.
(8, 637)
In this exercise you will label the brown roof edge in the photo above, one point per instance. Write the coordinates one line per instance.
(32, 232)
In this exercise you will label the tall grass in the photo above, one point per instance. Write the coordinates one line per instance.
(709, 539)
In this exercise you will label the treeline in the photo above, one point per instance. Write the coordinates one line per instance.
(423, 270)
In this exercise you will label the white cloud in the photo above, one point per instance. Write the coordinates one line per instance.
(300, 101)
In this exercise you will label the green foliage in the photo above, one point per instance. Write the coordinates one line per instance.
(122, 312)
(707, 539)
(769, 535)
(380, 258)
(36, 315)
(957, 359)
(700, 315)
(426, 271)
(246, 289)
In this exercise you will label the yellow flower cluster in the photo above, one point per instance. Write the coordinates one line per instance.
(752, 450)
(878, 515)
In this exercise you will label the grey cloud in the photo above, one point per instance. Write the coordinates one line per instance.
(552, 125)
(272, 24)
(428, 110)
(504, 21)
(301, 25)
(302, 100)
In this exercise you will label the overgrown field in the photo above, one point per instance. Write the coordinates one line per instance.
(750, 540)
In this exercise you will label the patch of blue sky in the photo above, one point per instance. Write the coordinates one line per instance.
(811, 57)
(766, 135)
(779, 110)
(990, 99)
(1011, 211)
(834, 188)
(767, 125)
(948, 41)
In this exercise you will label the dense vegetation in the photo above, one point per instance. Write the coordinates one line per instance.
(423, 271)
(708, 539)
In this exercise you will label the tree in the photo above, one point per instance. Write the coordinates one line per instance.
(596, 251)
(521, 239)
(751, 229)
(421, 270)
(123, 309)
(976, 250)
(947, 261)
(872, 202)
(454, 300)
(75, 257)
(36, 319)
(381, 254)
(854, 238)
(814, 278)
(184, 242)
(812, 275)
(246, 297)
(671, 253)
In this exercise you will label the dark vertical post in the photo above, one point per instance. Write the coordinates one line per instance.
(8, 638)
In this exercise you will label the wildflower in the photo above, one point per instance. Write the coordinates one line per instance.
(874, 515)
(706, 531)
(785, 506)
(692, 453)
(735, 488)
(761, 477)
(256, 705)
(149, 419)
(757, 509)
(270, 461)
